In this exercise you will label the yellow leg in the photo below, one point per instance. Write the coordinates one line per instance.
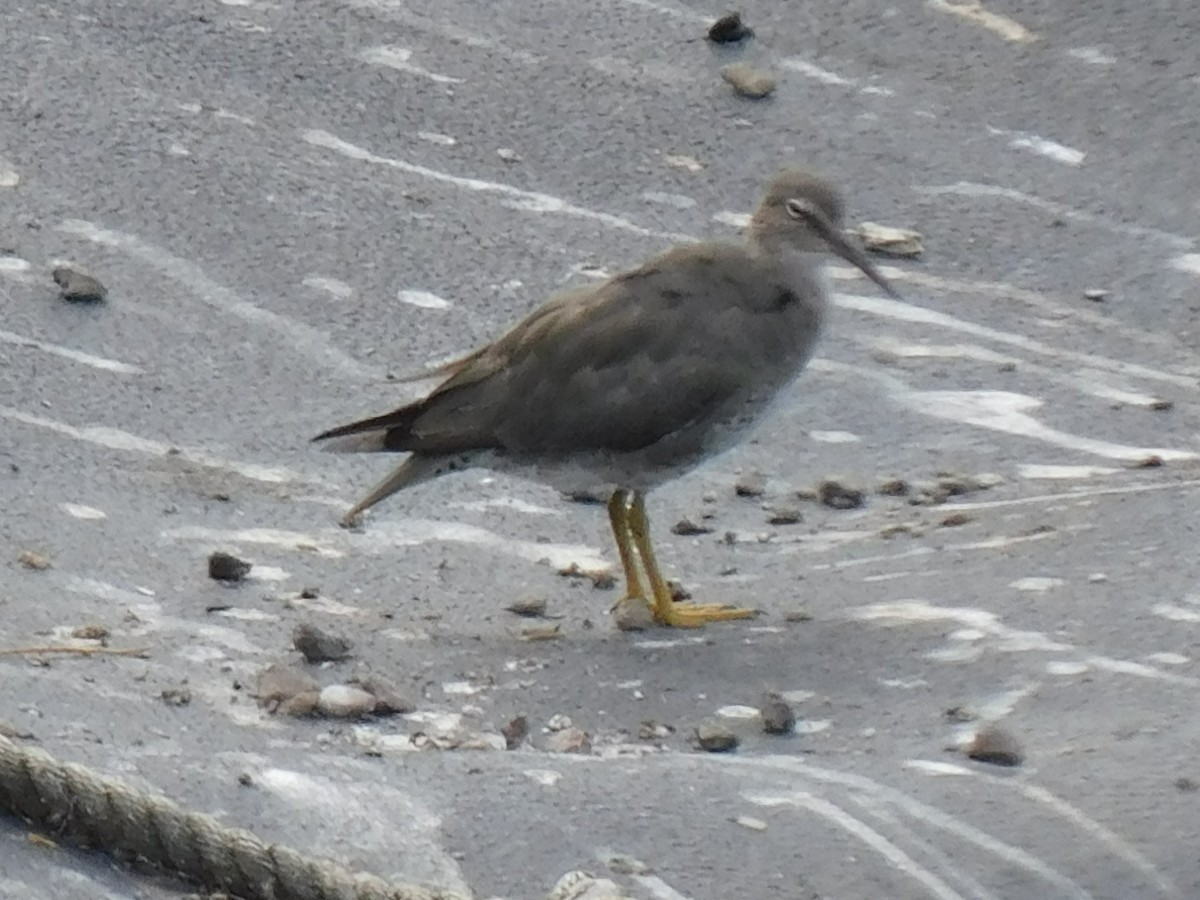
(667, 611)
(618, 517)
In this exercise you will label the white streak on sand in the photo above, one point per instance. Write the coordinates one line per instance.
(529, 201)
(297, 335)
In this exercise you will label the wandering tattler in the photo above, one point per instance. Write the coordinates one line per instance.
(636, 380)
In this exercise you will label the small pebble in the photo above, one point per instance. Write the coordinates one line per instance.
(90, 633)
(798, 615)
(1153, 461)
(343, 701)
(390, 699)
(752, 823)
(633, 614)
(542, 633)
(278, 683)
(715, 737)
(839, 495)
(784, 515)
(777, 715)
(78, 287)
(569, 740)
(515, 732)
(508, 154)
(529, 607)
(688, 528)
(620, 864)
(227, 567)
(310, 593)
(729, 29)
(753, 484)
(559, 722)
(748, 81)
(301, 705)
(894, 487)
(1162, 405)
(1187, 785)
(651, 730)
(994, 745)
(955, 519)
(35, 561)
(960, 714)
(180, 696)
(1096, 295)
(319, 646)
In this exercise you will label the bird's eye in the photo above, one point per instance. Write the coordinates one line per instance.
(800, 209)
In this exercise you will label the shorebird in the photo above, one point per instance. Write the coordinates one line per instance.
(636, 380)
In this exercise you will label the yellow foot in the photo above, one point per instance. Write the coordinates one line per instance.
(694, 615)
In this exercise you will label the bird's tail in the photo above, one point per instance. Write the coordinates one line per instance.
(417, 468)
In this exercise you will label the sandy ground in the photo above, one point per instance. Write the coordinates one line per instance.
(289, 201)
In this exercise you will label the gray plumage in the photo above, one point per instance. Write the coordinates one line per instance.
(635, 380)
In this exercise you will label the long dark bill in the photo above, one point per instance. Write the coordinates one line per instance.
(852, 253)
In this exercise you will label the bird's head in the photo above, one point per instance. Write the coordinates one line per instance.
(802, 210)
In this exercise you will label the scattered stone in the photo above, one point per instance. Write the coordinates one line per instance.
(593, 496)
(715, 737)
(319, 646)
(955, 519)
(601, 579)
(951, 484)
(621, 864)
(777, 715)
(542, 633)
(278, 683)
(508, 154)
(78, 287)
(515, 732)
(960, 714)
(894, 487)
(651, 730)
(678, 592)
(310, 593)
(798, 615)
(1162, 405)
(390, 699)
(688, 528)
(888, 241)
(680, 161)
(1097, 578)
(227, 567)
(529, 607)
(559, 722)
(752, 484)
(1006, 367)
(344, 701)
(750, 822)
(890, 531)
(245, 779)
(179, 696)
(784, 515)
(569, 740)
(90, 633)
(1185, 784)
(992, 744)
(633, 614)
(1153, 461)
(729, 29)
(35, 561)
(839, 495)
(301, 705)
(1096, 295)
(748, 81)
(580, 885)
